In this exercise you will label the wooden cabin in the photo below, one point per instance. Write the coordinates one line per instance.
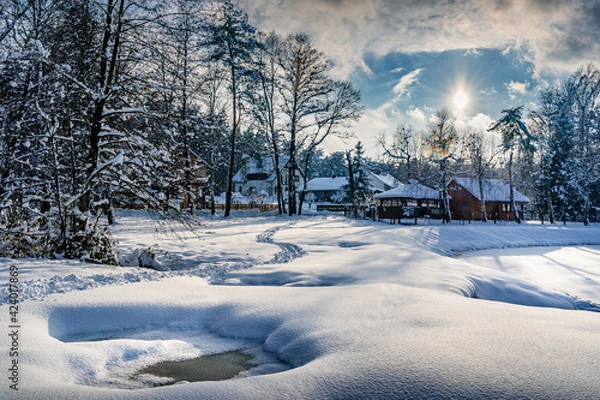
(409, 201)
(466, 200)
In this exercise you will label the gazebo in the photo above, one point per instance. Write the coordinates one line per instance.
(409, 201)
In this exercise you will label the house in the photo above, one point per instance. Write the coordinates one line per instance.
(381, 182)
(466, 199)
(411, 200)
(259, 177)
(326, 190)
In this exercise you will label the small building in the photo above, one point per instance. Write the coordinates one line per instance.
(327, 190)
(409, 201)
(466, 199)
(259, 177)
(381, 182)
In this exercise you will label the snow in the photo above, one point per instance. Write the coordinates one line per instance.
(326, 184)
(413, 190)
(386, 179)
(330, 308)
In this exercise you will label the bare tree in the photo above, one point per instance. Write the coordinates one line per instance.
(342, 109)
(402, 146)
(266, 104)
(440, 141)
(314, 105)
(481, 155)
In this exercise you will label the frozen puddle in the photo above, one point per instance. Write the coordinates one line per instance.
(143, 361)
(140, 348)
(214, 367)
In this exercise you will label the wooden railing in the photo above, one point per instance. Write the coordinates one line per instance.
(259, 207)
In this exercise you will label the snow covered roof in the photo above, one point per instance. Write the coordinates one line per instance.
(386, 179)
(254, 167)
(325, 184)
(411, 191)
(493, 190)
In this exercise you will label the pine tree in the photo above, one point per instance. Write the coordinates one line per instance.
(232, 41)
(358, 187)
(515, 137)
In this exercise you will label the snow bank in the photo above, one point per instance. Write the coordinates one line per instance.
(329, 307)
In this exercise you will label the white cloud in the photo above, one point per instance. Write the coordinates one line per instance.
(556, 35)
(517, 88)
(417, 114)
(406, 81)
(480, 122)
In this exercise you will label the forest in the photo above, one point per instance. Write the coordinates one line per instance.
(123, 103)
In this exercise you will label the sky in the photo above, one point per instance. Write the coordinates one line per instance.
(409, 58)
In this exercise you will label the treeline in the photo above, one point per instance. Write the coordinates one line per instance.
(122, 102)
(552, 154)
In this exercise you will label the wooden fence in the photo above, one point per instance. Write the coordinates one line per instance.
(259, 207)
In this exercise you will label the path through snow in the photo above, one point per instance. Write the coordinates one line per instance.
(80, 276)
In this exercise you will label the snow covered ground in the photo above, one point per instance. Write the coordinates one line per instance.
(329, 307)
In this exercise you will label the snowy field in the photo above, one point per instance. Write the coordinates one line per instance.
(328, 307)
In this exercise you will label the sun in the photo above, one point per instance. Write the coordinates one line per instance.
(460, 99)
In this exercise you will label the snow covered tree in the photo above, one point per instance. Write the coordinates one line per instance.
(178, 76)
(333, 164)
(358, 187)
(515, 137)
(567, 125)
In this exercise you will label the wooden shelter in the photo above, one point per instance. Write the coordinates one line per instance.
(409, 201)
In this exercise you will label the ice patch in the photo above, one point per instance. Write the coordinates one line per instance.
(114, 351)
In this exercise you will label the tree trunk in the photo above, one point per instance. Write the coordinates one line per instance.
(513, 205)
(351, 183)
(106, 77)
(447, 214)
(291, 184)
(482, 197)
(231, 171)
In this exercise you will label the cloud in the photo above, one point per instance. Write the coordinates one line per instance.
(417, 114)
(480, 122)
(406, 81)
(555, 35)
(517, 88)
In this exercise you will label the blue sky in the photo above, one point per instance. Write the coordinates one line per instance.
(409, 58)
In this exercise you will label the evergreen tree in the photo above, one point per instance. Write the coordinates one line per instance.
(515, 137)
(358, 188)
(232, 41)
